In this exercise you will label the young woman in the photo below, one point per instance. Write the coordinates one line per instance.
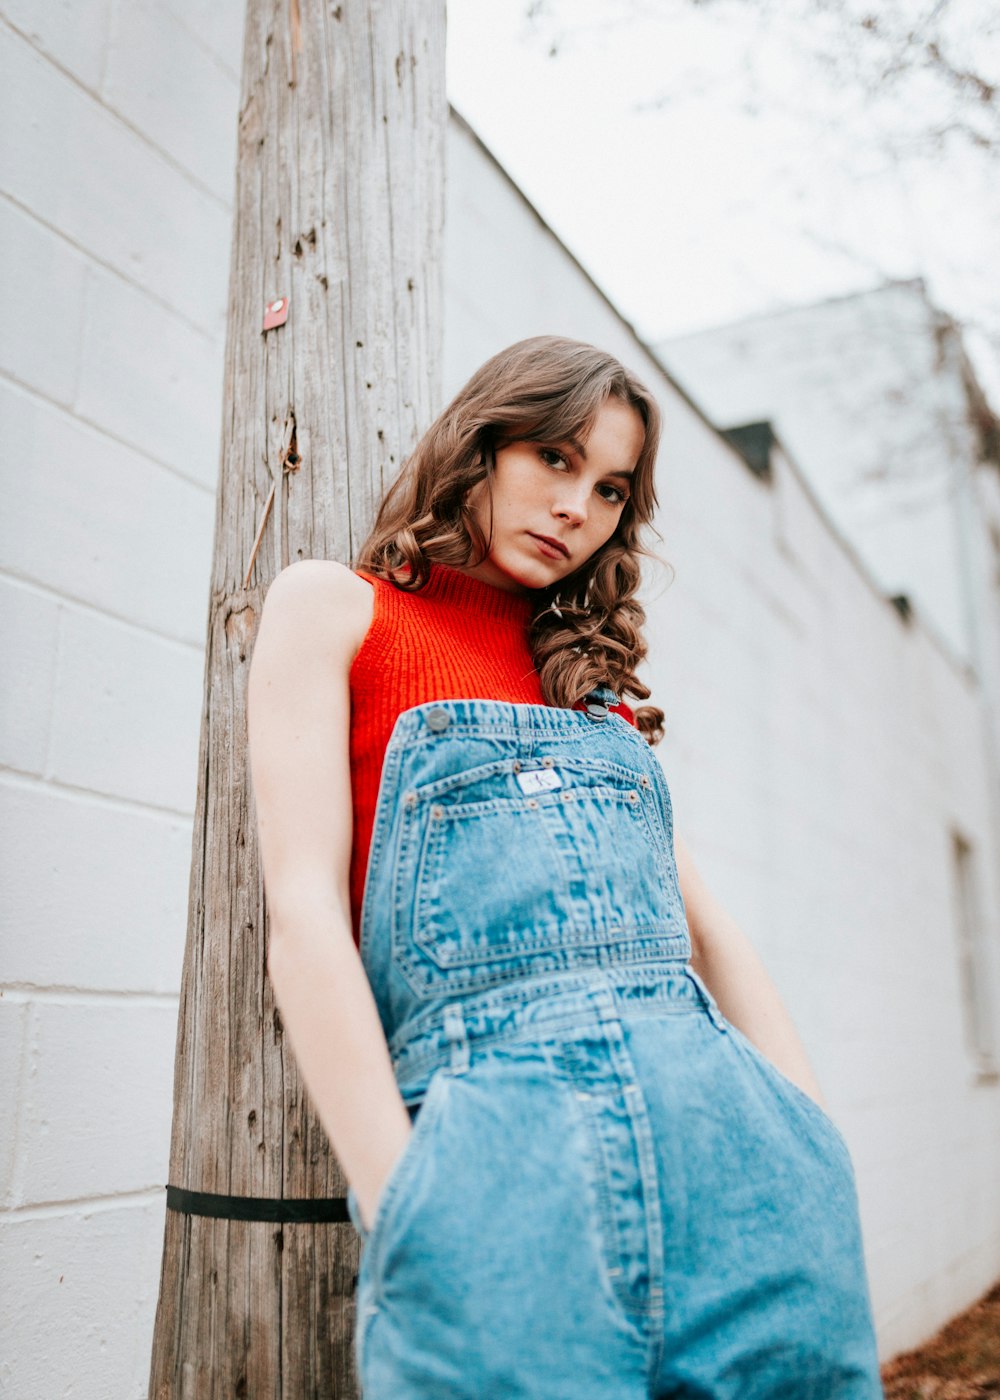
(586, 1153)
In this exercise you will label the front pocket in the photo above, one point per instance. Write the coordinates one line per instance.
(792, 1091)
(487, 874)
(807, 1101)
(393, 1195)
(364, 1317)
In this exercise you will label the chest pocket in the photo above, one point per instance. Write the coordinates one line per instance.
(511, 868)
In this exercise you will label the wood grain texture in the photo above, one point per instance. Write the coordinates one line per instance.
(339, 204)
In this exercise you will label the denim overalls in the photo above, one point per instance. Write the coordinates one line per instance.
(608, 1191)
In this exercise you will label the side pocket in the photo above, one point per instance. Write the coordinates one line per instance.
(792, 1091)
(364, 1315)
(392, 1196)
(354, 1211)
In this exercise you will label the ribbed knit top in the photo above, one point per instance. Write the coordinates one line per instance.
(457, 638)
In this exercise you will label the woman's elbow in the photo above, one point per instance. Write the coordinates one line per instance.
(299, 928)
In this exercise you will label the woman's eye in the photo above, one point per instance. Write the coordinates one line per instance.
(614, 495)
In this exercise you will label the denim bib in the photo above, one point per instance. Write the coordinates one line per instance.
(512, 841)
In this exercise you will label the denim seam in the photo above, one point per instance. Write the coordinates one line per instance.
(560, 725)
(578, 989)
(383, 815)
(586, 1103)
(640, 946)
(410, 1067)
(642, 1135)
(467, 777)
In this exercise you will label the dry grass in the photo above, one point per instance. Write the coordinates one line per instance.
(961, 1363)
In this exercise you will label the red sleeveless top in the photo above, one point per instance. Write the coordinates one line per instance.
(457, 638)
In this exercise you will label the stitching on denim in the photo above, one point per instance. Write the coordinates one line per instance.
(542, 992)
(586, 1110)
(637, 944)
(412, 1062)
(413, 887)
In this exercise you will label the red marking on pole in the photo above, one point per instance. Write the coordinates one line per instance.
(275, 313)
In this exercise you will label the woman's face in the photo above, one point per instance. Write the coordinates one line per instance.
(570, 493)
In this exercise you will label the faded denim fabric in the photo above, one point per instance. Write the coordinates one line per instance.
(609, 1192)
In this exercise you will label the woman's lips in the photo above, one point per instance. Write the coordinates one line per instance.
(551, 548)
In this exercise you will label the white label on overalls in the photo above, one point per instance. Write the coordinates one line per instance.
(538, 780)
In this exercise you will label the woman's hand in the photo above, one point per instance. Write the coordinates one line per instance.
(368, 1193)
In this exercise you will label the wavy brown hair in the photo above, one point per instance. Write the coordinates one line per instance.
(587, 629)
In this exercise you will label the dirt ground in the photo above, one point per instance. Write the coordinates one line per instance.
(961, 1363)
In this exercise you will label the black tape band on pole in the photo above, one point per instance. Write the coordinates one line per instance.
(321, 1211)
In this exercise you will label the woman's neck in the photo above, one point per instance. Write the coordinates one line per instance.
(478, 596)
(487, 572)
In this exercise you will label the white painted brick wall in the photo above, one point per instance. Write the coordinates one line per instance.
(80, 1286)
(95, 891)
(115, 218)
(29, 642)
(168, 407)
(73, 36)
(93, 1068)
(110, 732)
(103, 186)
(149, 48)
(13, 1057)
(218, 29)
(86, 507)
(43, 281)
(869, 400)
(816, 748)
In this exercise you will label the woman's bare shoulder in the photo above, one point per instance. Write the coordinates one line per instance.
(324, 597)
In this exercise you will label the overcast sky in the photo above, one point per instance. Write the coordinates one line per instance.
(695, 211)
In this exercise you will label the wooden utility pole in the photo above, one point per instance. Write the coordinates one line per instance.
(338, 208)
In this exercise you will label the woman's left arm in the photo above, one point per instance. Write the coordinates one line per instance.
(728, 963)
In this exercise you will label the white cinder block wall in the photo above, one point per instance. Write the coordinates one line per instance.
(115, 221)
(817, 748)
(868, 391)
(874, 395)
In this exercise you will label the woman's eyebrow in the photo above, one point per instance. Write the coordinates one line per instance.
(578, 447)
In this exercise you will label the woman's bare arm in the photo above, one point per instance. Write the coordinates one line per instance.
(731, 968)
(314, 618)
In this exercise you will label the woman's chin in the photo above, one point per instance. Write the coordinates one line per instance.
(516, 575)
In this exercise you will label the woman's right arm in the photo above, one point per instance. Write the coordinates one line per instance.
(299, 707)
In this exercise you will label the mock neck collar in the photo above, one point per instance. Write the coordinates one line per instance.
(475, 596)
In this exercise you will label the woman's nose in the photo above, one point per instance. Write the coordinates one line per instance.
(571, 505)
